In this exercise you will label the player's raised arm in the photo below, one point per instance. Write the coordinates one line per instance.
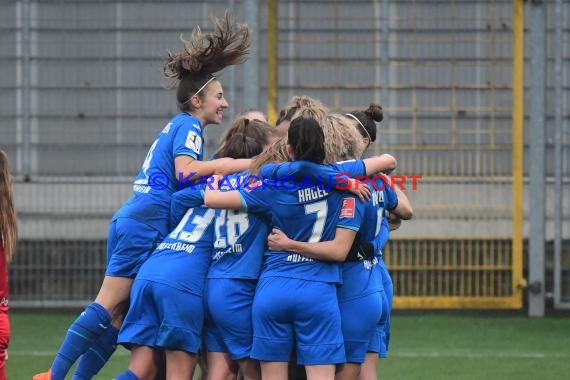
(385, 163)
(189, 169)
(233, 166)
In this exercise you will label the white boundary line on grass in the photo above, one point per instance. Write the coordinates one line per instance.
(477, 355)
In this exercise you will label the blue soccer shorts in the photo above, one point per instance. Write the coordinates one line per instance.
(228, 316)
(294, 313)
(360, 317)
(161, 316)
(129, 245)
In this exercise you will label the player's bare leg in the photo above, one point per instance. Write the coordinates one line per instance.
(114, 292)
(320, 372)
(250, 369)
(274, 370)
(348, 371)
(144, 362)
(368, 368)
(180, 364)
(221, 366)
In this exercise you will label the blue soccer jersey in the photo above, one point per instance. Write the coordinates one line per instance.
(240, 238)
(360, 277)
(157, 179)
(310, 214)
(365, 277)
(183, 200)
(384, 199)
(183, 258)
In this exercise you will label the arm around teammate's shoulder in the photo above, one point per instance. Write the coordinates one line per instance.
(404, 209)
(332, 250)
(190, 169)
(214, 198)
(384, 163)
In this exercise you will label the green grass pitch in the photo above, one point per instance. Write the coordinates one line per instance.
(425, 347)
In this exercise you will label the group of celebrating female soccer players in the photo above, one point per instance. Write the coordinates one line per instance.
(245, 275)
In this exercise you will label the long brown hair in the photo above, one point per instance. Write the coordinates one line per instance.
(237, 124)
(204, 55)
(342, 139)
(298, 102)
(275, 153)
(245, 139)
(8, 225)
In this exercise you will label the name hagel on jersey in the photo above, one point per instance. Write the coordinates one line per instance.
(311, 193)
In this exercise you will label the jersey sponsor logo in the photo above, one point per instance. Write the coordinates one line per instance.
(236, 248)
(348, 206)
(194, 142)
(176, 246)
(296, 258)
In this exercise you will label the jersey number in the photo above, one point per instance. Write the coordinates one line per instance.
(230, 225)
(320, 208)
(379, 217)
(146, 165)
(195, 229)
